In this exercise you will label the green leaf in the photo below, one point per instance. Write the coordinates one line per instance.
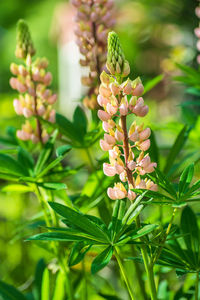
(102, 260)
(193, 91)
(176, 148)
(77, 253)
(45, 289)
(18, 188)
(50, 166)
(59, 291)
(66, 127)
(79, 220)
(9, 292)
(38, 279)
(190, 230)
(43, 157)
(66, 235)
(185, 179)
(56, 186)
(26, 160)
(152, 83)
(80, 121)
(10, 166)
(62, 150)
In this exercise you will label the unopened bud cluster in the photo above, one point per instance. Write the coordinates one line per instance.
(127, 148)
(35, 99)
(94, 19)
(197, 33)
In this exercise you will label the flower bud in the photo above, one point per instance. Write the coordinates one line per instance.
(109, 170)
(105, 146)
(103, 115)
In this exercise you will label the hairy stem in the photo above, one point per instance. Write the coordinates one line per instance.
(125, 277)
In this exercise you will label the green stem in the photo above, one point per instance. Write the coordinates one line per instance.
(197, 286)
(157, 255)
(125, 277)
(148, 267)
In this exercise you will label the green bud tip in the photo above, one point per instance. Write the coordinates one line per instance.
(24, 41)
(116, 63)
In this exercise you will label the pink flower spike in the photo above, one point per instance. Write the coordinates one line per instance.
(109, 139)
(153, 187)
(145, 134)
(105, 146)
(113, 153)
(145, 145)
(45, 138)
(34, 138)
(122, 176)
(151, 168)
(143, 111)
(138, 91)
(13, 83)
(102, 100)
(21, 87)
(52, 116)
(115, 89)
(197, 32)
(106, 126)
(47, 78)
(131, 195)
(198, 59)
(103, 115)
(41, 110)
(109, 170)
(145, 162)
(119, 193)
(17, 107)
(105, 92)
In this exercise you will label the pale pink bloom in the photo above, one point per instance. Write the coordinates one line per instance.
(14, 69)
(122, 176)
(103, 115)
(119, 135)
(131, 195)
(115, 89)
(47, 78)
(111, 193)
(107, 126)
(198, 45)
(109, 139)
(123, 109)
(111, 109)
(46, 94)
(27, 112)
(23, 135)
(131, 165)
(109, 170)
(105, 146)
(34, 138)
(197, 11)
(21, 87)
(22, 70)
(144, 134)
(52, 99)
(105, 92)
(150, 168)
(145, 145)
(52, 116)
(13, 83)
(41, 110)
(127, 89)
(31, 91)
(138, 91)
(17, 107)
(134, 137)
(143, 111)
(197, 32)
(119, 193)
(145, 162)
(113, 153)
(45, 138)
(141, 171)
(102, 100)
(153, 187)
(119, 169)
(36, 75)
(141, 185)
(198, 59)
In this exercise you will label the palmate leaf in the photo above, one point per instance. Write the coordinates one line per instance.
(163, 182)
(80, 121)
(185, 179)
(190, 230)
(9, 292)
(102, 260)
(25, 158)
(78, 253)
(176, 148)
(79, 220)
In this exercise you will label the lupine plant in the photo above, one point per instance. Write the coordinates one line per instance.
(103, 237)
